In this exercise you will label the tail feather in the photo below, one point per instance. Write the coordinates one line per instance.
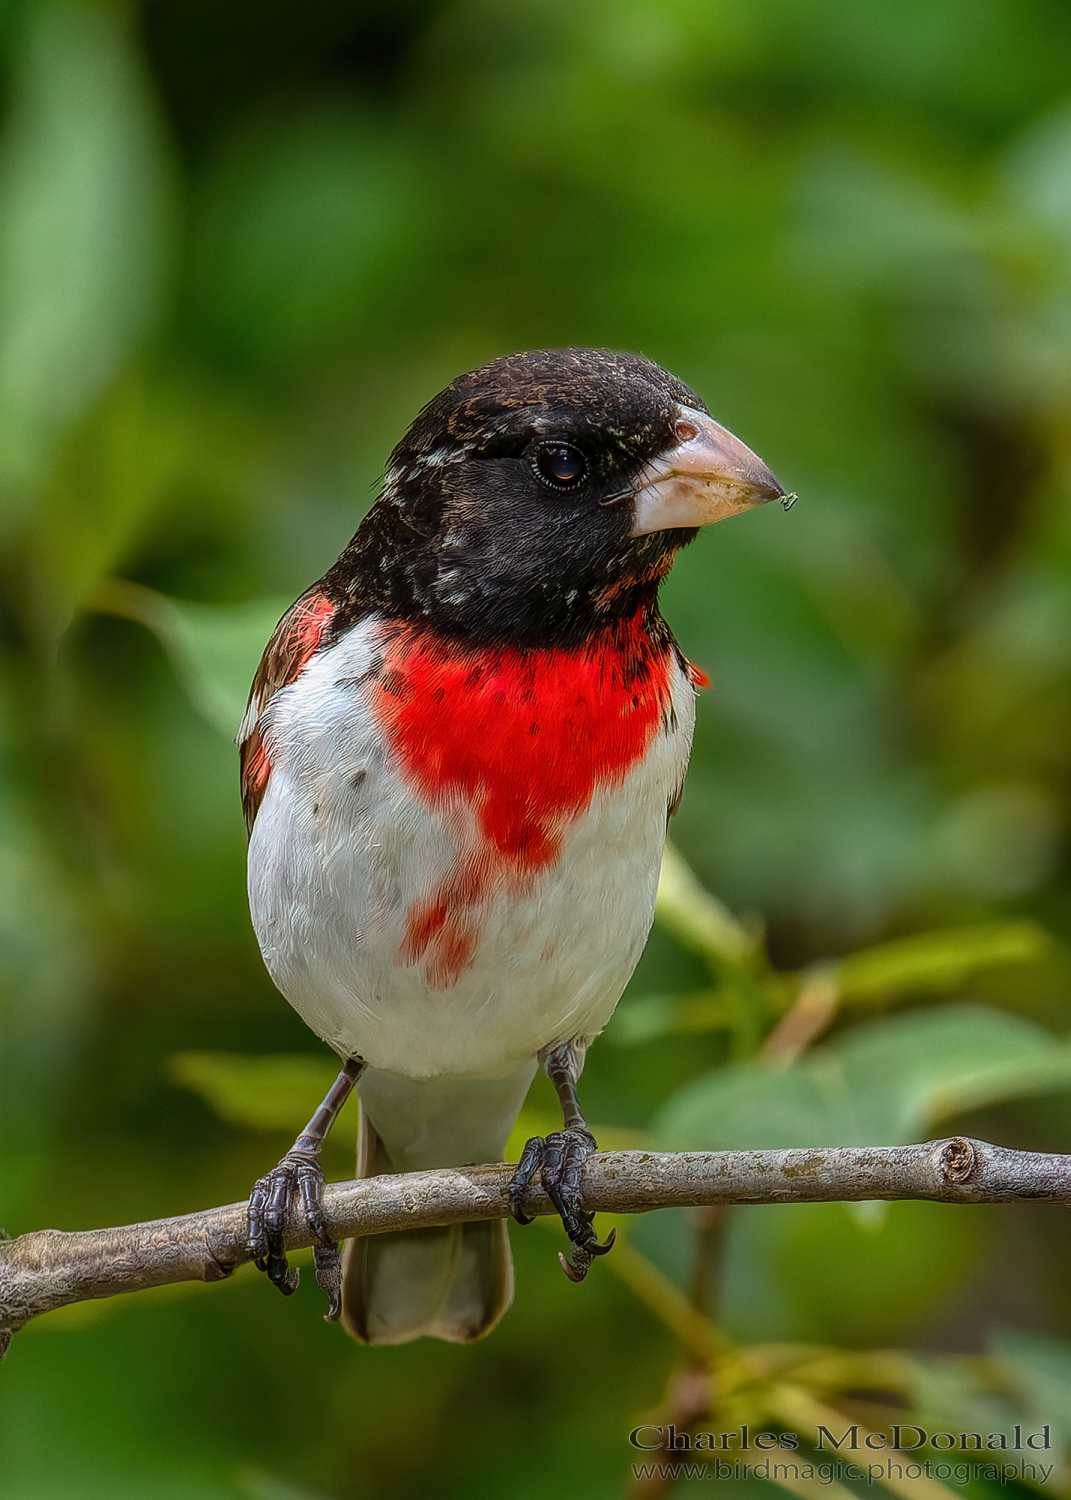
(452, 1283)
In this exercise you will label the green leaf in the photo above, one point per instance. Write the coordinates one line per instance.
(81, 226)
(215, 648)
(696, 919)
(110, 476)
(883, 1082)
(959, 1394)
(938, 960)
(1038, 1370)
(256, 1483)
(642, 1020)
(277, 1092)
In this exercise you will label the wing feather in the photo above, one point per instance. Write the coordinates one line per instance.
(297, 636)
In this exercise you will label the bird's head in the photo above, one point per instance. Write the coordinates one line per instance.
(545, 493)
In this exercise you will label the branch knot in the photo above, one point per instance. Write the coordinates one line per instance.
(957, 1160)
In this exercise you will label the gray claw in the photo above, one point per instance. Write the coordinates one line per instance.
(300, 1176)
(559, 1159)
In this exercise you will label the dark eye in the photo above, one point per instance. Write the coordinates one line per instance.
(559, 465)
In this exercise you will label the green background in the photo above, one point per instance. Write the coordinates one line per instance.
(239, 246)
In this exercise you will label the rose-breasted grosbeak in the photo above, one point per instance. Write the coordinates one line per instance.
(461, 749)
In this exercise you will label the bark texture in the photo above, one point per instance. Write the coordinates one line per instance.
(49, 1268)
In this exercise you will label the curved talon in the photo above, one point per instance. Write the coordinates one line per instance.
(282, 1275)
(298, 1175)
(559, 1158)
(531, 1160)
(328, 1264)
(575, 1271)
(606, 1246)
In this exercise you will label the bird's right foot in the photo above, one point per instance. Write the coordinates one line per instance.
(559, 1158)
(298, 1177)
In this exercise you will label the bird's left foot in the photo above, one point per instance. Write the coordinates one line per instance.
(559, 1159)
(298, 1176)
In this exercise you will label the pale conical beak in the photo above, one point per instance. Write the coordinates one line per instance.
(707, 475)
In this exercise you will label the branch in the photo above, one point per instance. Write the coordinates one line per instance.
(48, 1268)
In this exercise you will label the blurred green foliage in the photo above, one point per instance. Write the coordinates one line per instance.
(238, 248)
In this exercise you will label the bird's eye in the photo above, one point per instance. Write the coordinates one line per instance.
(559, 465)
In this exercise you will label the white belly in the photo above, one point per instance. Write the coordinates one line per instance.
(342, 849)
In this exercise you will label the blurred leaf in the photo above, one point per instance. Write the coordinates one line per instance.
(998, 840)
(698, 920)
(932, 961)
(938, 960)
(277, 1092)
(814, 1271)
(1037, 1368)
(81, 223)
(863, 220)
(50, 955)
(641, 1020)
(960, 1394)
(112, 473)
(883, 1082)
(257, 1484)
(215, 648)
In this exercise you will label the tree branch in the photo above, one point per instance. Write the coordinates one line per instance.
(49, 1268)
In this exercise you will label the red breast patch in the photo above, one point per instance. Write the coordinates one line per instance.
(523, 738)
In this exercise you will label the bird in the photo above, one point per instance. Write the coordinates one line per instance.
(460, 754)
